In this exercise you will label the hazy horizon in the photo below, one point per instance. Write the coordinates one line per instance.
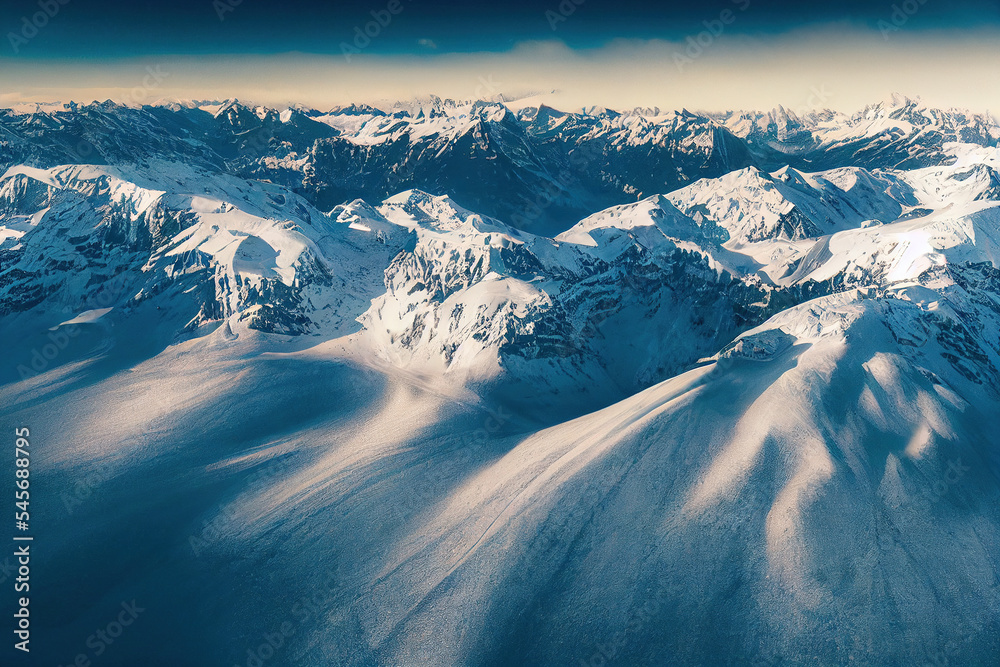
(735, 54)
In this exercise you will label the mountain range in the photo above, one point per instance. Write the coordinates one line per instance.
(479, 384)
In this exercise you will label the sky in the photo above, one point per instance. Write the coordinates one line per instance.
(721, 54)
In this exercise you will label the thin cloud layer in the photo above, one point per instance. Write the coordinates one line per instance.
(837, 66)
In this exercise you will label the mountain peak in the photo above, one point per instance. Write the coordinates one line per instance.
(896, 100)
(228, 105)
(490, 111)
(356, 110)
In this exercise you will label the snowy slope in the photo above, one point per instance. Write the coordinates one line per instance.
(735, 417)
(808, 494)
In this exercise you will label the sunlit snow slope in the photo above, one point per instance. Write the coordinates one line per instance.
(749, 418)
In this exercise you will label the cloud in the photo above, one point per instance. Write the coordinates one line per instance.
(853, 65)
(427, 43)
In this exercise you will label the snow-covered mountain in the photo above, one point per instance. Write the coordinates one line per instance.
(358, 372)
(898, 133)
(543, 168)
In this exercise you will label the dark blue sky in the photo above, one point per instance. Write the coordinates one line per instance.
(101, 28)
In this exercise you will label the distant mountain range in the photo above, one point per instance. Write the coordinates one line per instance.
(539, 168)
(530, 386)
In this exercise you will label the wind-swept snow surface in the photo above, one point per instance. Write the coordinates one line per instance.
(739, 412)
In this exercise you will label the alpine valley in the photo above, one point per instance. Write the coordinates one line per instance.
(474, 383)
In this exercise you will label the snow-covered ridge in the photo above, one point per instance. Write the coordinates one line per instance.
(555, 167)
(428, 285)
(731, 410)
